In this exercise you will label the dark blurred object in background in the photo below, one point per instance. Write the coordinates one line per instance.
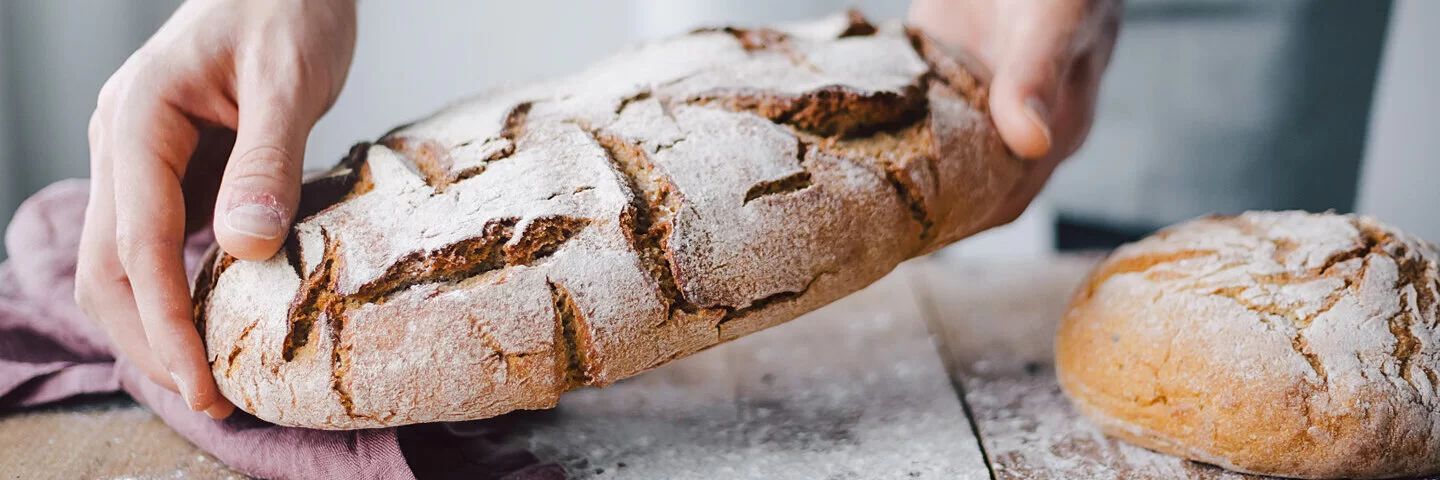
(1079, 235)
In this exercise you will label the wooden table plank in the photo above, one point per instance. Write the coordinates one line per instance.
(856, 390)
(997, 320)
(113, 439)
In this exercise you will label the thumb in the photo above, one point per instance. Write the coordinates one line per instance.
(1027, 81)
(261, 185)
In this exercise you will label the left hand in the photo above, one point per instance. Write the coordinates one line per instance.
(1043, 59)
(230, 86)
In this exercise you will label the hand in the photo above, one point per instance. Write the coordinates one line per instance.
(1044, 59)
(230, 86)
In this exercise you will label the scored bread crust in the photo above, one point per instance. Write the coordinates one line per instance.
(1276, 343)
(578, 231)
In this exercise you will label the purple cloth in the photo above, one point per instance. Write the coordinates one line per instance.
(49, 351)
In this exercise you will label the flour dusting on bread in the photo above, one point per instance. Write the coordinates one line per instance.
(576, 231)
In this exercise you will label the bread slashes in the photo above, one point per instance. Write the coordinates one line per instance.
(577, 231)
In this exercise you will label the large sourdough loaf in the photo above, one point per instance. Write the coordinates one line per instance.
(575, 232)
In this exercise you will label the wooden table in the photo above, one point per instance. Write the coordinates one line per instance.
(942, 370)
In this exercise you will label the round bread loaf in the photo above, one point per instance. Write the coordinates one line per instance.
(1278, 343)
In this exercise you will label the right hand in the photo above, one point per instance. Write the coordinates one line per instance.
(1047, 57)
(161, 136)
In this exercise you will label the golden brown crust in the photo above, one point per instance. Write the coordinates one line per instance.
(577, 232)
(1279, 343)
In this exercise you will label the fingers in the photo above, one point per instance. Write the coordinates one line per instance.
(1037, 53)
(281, 89)
(151, 147)
(261, 185)
(101, 288)
(1075, 107)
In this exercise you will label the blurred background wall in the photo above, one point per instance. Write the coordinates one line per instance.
(1402, 158)
(54, 55)
(1209, 106)
(1224, 106)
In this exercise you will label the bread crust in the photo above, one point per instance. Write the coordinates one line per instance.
(578, 231)
(1276, 343)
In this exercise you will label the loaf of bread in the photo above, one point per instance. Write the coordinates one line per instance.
(578, 231)
(1278, 343)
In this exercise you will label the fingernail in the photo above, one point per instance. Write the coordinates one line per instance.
(184, 392)
(1039, 115)
(256, 220)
